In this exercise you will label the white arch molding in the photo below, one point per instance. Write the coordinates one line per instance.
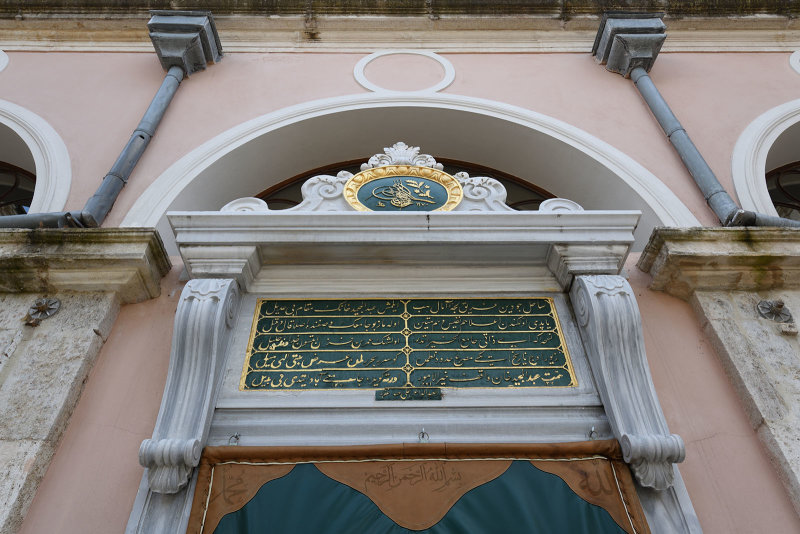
(749, 160)
(50, 156)
(550, 153)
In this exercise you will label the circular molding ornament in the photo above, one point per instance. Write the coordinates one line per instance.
(403, 188)
(361, 77)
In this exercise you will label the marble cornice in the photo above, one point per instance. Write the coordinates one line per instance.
(126, 261)
(116, 31)
(684, 260)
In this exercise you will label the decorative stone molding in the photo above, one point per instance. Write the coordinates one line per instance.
(490, 34)
(683, 260)
(481, 193)
(749, 159)
(169, 462)
(184, 176)
(126, 261)
(241, 263)
(401, 154)
(568, 260)
(203, 323)
(241, 244)
(50, 156)
(559, 205)
(611, 328)
(363, 80)
(245, 205)
(324, 193)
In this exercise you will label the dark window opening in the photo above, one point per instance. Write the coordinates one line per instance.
(16, 189)
(783, 185)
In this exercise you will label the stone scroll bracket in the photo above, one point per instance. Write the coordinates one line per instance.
(203, 322)
(611, 329)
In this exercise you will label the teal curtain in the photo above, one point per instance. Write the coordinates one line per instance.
(521, 500)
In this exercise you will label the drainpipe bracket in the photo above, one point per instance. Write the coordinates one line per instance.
(185, 39)
(614, 23)
(629, 51)
(625, 41)
(740, 217)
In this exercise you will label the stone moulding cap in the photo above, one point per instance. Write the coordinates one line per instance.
(127, 261)
(186, 39)
(684, 260)
(625, 41)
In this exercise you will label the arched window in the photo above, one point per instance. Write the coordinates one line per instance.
(522, 195)
(16, 189)
(783, 185)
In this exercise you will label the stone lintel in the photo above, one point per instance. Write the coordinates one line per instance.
(685, 260)
(126, 261)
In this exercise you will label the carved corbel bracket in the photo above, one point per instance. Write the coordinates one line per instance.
(566, 261)
(239, 262)
(611, 329)
(203, 324)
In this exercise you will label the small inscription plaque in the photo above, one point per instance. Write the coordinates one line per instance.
(406, 349)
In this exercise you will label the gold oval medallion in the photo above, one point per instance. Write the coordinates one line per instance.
(403, 188)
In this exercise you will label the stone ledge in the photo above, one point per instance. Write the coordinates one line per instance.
(685, 260)
(432, 8)
(126, 261)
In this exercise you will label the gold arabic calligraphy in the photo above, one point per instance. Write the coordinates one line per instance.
(406, 343)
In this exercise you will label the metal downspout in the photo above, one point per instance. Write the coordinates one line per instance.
(726, 210)
(98, 206)
(628, 44)
(185, 41)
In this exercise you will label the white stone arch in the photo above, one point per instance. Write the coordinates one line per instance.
(550, 153)
(50, 156)
(752, 152)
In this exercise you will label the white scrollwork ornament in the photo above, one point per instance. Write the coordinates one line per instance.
(401, 154)
(559, 205)
(245, 205)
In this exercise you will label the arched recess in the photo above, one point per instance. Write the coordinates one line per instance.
(545, 151)
(50, 157)
(768, 142)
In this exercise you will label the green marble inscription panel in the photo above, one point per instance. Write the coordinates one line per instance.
(406, 349)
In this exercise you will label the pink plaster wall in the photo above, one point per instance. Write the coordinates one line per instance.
(91, 483)
(101, 97)
(733, 486)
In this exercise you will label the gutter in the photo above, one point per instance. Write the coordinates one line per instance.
(185, 41)
(628, 44)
